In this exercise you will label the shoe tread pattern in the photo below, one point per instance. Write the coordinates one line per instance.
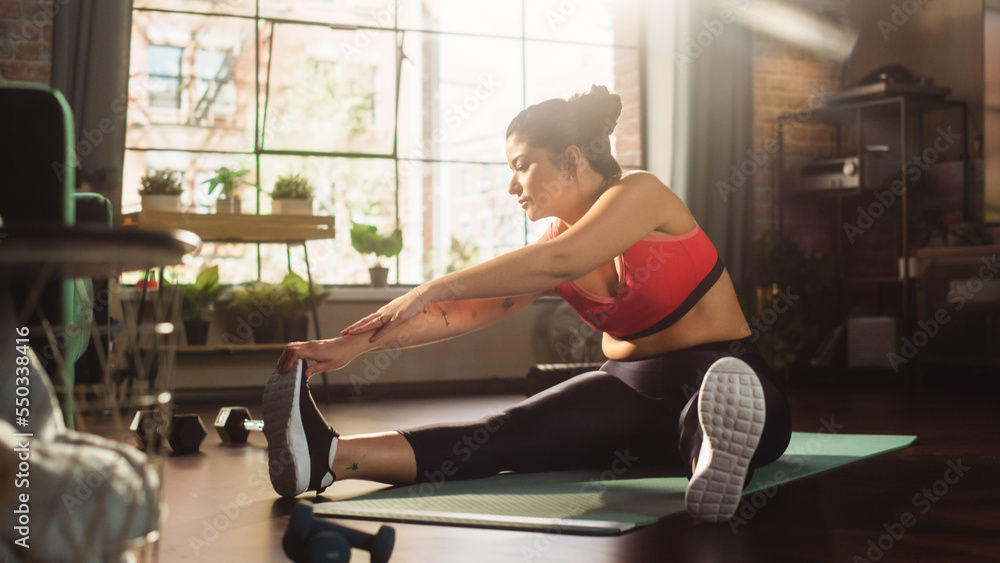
(731, 411)
(278, 402)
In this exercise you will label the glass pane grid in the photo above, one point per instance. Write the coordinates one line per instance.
(317, 81)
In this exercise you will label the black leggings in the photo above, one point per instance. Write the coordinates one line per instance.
(630, 412)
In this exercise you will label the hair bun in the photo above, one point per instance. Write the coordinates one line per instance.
(602, 105)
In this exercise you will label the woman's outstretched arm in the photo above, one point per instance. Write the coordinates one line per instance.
(439, 321)
(622, 215)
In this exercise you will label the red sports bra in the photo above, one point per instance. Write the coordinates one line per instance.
(661, 279)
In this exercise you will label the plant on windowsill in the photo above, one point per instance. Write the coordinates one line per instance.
(292, 195)
(298, 304)
(228, 183)
(161, 191)
(366, 240)
(258, 306)
(198, 301)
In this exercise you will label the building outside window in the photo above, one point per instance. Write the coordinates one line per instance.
(395, 111)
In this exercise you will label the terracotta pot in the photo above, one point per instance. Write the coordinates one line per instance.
(227, 207)
(290, 206)
(197, 332)
(269, 332)
(297, 328)
(161, 202)
(379, 276)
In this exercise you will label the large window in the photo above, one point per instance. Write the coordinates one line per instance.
(394, 110)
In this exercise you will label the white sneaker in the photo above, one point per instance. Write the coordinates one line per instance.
(300, 444)
(731, 413)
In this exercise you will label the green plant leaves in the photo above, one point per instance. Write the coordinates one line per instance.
(366, 240)
(201, 295)
(228, 180)
(161, 182)
(299, 301)
(292, 186)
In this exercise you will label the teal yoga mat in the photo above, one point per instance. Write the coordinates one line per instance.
(606, 502)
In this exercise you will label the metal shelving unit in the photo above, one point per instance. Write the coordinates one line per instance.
(885, 138)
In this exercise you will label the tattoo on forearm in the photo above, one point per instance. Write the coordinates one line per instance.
(507, 304)
(444, 315)
(353, 467)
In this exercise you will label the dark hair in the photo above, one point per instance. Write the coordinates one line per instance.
(585, 120)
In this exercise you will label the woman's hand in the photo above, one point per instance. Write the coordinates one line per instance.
(393, 314)
(327, 355)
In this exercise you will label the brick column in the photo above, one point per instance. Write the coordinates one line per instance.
(26, 40)
(788, 79)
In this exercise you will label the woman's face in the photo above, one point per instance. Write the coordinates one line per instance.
(540, 185)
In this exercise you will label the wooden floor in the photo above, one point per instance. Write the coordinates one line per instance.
(908, 505)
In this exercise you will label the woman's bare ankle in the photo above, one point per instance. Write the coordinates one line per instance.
(385, 457)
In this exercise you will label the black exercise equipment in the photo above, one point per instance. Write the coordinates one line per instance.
(307, 538)
(184, 432)
(234, 424)
(326, 546)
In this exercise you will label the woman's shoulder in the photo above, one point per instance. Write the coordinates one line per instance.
(642, 188)
(650, 190)
(641, 179)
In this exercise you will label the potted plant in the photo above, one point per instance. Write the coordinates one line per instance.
(292, 195)
(198, 300)
(161, 191)
(789, 333)
(228, 182)
(258, 307)
(366, 240)
(299, 303)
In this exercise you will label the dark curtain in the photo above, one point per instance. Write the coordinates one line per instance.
(90, 60)
(713, 125)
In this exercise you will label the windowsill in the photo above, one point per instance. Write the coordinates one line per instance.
(343, 293)
(360, 293)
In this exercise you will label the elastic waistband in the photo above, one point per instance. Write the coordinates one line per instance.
(743, 348)
(737, 347)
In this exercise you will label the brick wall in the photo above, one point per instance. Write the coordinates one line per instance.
(26, 40)
(790, 80)
(628, 142)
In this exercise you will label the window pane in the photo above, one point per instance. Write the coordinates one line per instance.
(164, 60)
(238, 7)
(487, 17)
(350, 189)
(597, 22)
(557, 70)
(463, 114)
(368, 13)
(237, 262)
(324, 98)
(191, 83)
(194, 168)
(455, 215)
(331, 88)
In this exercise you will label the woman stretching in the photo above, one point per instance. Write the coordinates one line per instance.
(683, 383)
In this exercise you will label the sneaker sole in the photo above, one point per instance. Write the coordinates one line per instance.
(731, 412)
(286, 438)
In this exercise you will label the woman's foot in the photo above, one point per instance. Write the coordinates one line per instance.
(300, 444)
(731, 413)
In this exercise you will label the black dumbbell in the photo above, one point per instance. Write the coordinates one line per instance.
(184, 432)
(306, 538)
(325, 546)
(234, 425)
